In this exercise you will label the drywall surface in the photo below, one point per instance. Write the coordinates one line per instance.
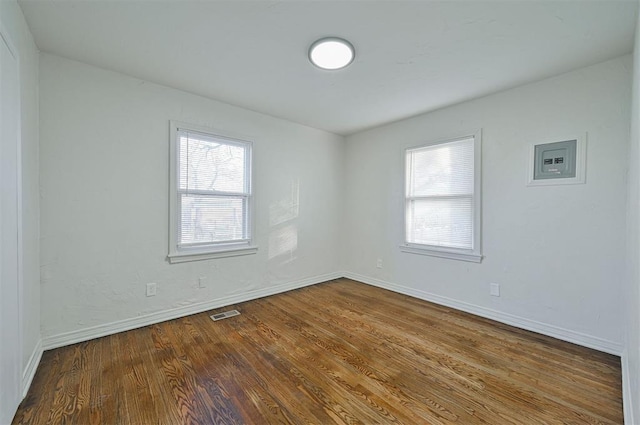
(16, 27)
(631, 357)
(558, 252)
(105, 198)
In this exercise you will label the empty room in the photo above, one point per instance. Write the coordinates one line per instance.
(319, 212)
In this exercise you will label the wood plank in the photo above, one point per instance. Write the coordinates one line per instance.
(336, 353)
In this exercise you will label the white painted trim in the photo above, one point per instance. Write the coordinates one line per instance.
(474, 254)
(86, 334)
(73, 337)
(31, 368)
(627, 397)
(183, 257)
(442, 253)
(7, 40)
(507, 318)
(178, 254)
(581, 163)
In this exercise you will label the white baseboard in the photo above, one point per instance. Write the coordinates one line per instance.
(86, 334)
(73, 337)
(509, 319)
(30, 370)
(627, 397)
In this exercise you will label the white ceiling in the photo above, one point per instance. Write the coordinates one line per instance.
(411, 56)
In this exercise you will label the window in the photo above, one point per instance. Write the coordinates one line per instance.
(442, 199)
(211, 200)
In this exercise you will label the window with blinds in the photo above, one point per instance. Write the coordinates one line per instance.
(211, 205)
(442, 199)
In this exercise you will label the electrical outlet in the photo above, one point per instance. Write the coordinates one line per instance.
(151, 289)
(379, 263)
(494, 289)
(202, 282)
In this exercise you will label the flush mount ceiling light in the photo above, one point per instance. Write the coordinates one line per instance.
(331, 53)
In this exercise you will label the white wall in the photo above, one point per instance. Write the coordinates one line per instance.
(631, 356)
(558, 252)
(16, 27)
(104, 173)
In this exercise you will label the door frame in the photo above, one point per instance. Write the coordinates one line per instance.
(6, 39)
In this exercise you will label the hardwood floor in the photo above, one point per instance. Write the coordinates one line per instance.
(339, 352)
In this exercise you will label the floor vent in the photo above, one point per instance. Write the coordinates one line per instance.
(225, 315)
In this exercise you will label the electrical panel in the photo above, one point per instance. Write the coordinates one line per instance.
(555, 160)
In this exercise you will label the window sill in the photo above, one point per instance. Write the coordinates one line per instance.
(183, 257)
(453, 255)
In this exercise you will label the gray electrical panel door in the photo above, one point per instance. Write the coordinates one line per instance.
(555, 160)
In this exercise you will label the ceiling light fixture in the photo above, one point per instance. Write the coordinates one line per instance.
(331, 53)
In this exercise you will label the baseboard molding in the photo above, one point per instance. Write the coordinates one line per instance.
(30, 370)
(86, 334)
(81, 335)
(627, 397)
(506, 318)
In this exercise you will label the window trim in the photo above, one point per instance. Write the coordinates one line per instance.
(474, 254)
(179, 254)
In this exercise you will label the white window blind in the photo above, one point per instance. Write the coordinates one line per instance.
(213, 190)
(440, 196)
